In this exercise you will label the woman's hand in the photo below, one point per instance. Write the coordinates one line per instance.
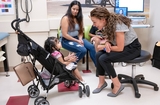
(80, 41)
(108, 47)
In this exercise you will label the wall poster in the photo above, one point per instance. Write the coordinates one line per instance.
(6, 7)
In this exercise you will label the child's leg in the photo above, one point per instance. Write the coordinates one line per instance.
(78, 75)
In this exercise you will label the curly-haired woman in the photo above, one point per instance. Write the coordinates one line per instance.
(122, 45)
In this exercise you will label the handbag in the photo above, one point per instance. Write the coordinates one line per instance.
(24, 72)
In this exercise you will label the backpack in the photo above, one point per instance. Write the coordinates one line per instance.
(156, 56)
(23, 48)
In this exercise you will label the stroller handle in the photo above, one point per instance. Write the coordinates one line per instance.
(12, 23)
(17, 24)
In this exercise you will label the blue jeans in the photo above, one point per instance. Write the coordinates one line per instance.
(79, 49)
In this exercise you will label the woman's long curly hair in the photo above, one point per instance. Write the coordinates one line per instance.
(111, 21)
(79, 16)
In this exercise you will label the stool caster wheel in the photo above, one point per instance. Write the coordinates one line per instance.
(137, 95)
(156, 88)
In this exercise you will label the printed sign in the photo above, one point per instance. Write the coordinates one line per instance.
(6, 7)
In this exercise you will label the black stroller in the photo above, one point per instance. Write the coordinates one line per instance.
(27, 47)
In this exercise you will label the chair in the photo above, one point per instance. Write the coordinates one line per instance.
(134, 80)
(86, 32)
(58, 37)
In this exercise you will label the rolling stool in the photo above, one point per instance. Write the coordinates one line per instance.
(134, 80)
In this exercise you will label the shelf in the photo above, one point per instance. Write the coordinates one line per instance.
(141, 26)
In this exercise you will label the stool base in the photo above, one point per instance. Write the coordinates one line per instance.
(134, 81)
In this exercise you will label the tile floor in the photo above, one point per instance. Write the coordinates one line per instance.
(10, 87)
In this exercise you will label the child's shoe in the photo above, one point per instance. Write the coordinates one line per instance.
(71, 66)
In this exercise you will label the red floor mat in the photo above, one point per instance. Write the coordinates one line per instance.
(18, 100)
(86, 71)
(63, 88)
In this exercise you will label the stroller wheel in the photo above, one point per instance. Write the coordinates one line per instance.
(67, 83)
(87, 91)
(38, 99)
(31, 87)
(80, 91)
(43, 102)
(33, 92)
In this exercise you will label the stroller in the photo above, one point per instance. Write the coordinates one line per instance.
(58, 72)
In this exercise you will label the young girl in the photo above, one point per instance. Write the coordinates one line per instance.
(53, 46)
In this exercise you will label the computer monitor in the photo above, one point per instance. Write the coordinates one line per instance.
(121, 10)
(133, 5)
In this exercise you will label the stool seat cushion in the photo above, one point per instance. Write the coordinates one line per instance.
(3, 35)
(145, 56)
